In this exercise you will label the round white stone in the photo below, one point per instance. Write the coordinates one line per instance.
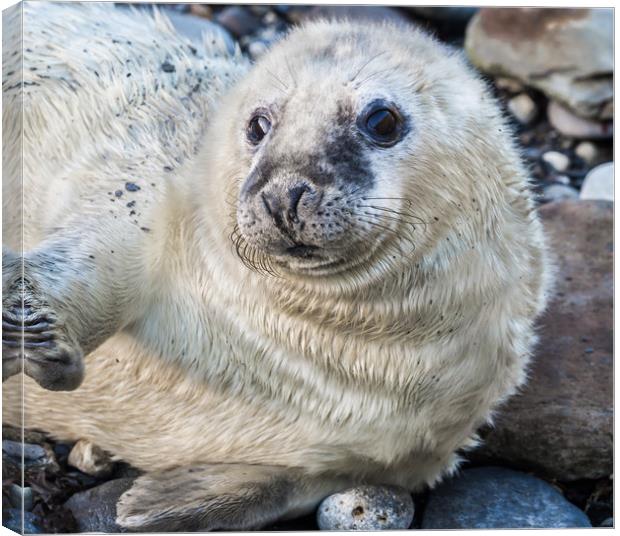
(587, 151)
(556, 160)
(367, 508)
(599, 183)
(523, 108)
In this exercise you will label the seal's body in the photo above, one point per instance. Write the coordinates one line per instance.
(339, 287)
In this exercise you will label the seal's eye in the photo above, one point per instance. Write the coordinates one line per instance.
(258, 128)
(382, 123)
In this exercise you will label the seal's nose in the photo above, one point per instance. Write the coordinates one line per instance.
(283, 204)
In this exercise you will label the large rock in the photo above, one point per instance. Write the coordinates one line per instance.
(566, 53)
(496, 498)
(94, 510)
(561, 422)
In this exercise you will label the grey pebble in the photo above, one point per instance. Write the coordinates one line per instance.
(31, 452)
(367, 508)
(559, 192)
(494, 497)
(12, 520)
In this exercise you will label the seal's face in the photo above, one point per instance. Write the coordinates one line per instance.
(328, 150)
(307, 200)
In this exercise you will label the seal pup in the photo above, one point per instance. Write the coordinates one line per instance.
(339, 288)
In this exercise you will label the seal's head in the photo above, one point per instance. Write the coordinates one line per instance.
(348, 146)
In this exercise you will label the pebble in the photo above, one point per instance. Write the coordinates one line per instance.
(367, 508)
(509, 84)
(12, 520)
(238, 20)
(523, 108)
(587, 151)
(599, 183)
(494, 498)
(201, 10)
(257, 48)
(558, 161)
(558, 192)
(31, 452)
(573, 126)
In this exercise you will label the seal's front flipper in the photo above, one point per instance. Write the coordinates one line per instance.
(34, 338)
(220, 496)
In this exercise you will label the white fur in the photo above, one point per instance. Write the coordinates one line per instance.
(382, 373)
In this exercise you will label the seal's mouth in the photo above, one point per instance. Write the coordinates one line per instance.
(302, 251)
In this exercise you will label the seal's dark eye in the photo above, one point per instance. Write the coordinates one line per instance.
(258, 128)
(382, 123)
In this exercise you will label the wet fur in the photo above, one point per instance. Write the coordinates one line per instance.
(376, 373)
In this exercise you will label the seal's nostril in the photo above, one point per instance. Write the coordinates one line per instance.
(294, 195)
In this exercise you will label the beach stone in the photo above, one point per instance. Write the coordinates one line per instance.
(523, 108)
(238, 20)
(497, 498)
(367, 508)
(509, 84)
(560, 424)
(569, 124)
(37, 458)
(12, 520)
(357, 13)
(195, 28)
(587, 151)
(565, 53)
(558, 192)
(558, 161)
(201, 10)
(456, 15)
(94, 510)
(599, 183)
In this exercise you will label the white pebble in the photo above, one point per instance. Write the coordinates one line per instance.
(523, 108)
(257, 49)
(599, 183)
(556, 160)
(367, 508)
(573, 126)
(587, 151)
(509, 84)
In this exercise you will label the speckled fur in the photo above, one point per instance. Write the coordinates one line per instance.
(380, 373)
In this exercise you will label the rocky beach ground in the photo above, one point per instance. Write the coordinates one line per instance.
(547, 461)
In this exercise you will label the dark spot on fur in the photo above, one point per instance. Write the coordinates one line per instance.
(167, 169)
(167, 67)
(145, 229)
(131, 187)
(118, 193)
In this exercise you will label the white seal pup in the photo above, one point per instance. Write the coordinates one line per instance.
(339, 288)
